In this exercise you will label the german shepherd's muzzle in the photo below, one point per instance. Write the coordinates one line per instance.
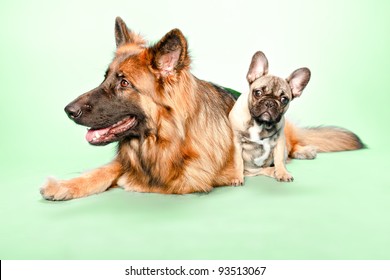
(109, 117)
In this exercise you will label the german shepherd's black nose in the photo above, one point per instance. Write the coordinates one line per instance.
(73, 111)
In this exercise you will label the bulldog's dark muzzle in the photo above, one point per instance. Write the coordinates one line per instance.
(266, 111)
(270, 104)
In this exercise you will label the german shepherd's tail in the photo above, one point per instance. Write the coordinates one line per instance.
(320, 139)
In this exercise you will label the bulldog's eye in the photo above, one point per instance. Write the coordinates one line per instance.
(124, 83)
(257, 93)
(284, 100)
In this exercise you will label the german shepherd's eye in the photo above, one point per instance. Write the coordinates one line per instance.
(125, 83)
(257, 92)
(284, 100)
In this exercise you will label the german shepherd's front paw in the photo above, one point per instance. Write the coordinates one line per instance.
(55, 190)
(283, 176)
(236, 182)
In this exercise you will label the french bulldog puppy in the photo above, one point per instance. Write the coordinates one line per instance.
(257, 119)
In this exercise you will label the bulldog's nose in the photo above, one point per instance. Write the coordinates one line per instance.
(73, 111)
(270, 104)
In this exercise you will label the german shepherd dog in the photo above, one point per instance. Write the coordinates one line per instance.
(172, 129)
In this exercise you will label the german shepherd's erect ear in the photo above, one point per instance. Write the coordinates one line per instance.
(124, 35)
(170, 55)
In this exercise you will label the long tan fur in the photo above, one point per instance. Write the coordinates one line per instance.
(185, 143)
(306, 141)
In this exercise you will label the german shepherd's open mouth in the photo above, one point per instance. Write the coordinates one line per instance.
(112, 133)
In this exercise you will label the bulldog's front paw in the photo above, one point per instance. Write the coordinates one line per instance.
(305, 152)
(55, 190)
(283, 176)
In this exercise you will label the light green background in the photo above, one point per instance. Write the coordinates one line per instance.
(339, 204)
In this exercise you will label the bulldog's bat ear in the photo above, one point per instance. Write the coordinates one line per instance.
(298, 80)
(124, 35)
(258, 67)
(170, 54)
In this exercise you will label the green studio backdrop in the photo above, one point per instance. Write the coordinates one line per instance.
(337, 207)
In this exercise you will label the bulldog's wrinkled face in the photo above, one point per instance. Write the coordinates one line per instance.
(269, 99)
(270, 96)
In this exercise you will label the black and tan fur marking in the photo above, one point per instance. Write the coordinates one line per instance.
(173, 129)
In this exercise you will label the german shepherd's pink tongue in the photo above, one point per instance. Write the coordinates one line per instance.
(94, 134)
(109, 134)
